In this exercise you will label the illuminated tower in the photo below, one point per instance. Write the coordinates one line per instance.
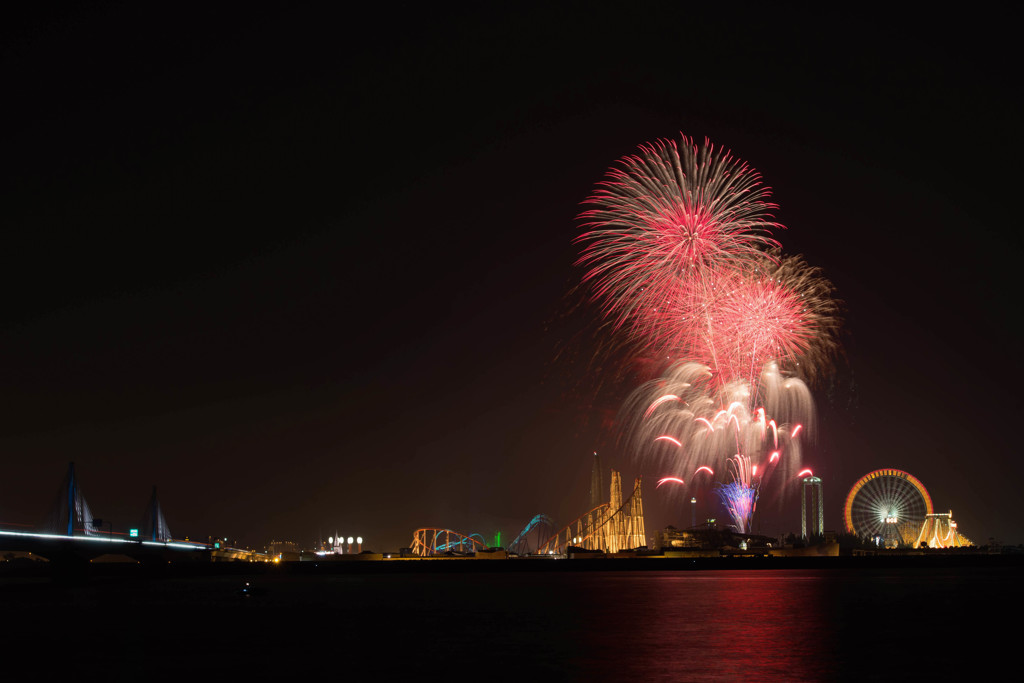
(616, 530)
(636, 532)
(811, 490)
(596, 483)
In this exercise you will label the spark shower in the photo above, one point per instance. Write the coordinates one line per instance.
(680, 255)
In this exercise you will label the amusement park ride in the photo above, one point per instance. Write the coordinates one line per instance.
(889, 506)
(608, 527)
(894, 508)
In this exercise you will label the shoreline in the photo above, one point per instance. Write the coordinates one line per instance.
(469, 565)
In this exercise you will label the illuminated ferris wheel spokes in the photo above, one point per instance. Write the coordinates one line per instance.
(887, 504)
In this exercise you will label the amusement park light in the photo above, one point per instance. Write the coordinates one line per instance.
(885, 497)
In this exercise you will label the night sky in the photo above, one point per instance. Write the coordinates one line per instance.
(311, 272)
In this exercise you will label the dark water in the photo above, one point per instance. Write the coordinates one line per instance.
(943, 624)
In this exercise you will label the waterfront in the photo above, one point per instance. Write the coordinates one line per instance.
(840, 624)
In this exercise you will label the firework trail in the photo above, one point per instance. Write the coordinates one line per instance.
(739, 496)
(685, 421)
(739, 502)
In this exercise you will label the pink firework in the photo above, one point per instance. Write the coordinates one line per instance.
(785, 313)
(665, 222)
(781, 310)
(680, 256)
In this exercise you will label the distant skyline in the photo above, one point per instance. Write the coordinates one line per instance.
(312, 271)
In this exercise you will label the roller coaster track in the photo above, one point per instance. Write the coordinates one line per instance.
(601, 529)
(610, 527)
(520, 544)
(431, 541)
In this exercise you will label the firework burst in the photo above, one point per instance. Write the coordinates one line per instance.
(681, 258)
(739, 496)
(781, 311)
(665, 222)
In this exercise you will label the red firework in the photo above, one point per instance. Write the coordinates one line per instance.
(666, 221)
(780, 310)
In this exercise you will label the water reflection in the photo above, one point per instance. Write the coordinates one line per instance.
(678, 626)
(711, 626)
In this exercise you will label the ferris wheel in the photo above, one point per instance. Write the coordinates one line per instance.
(887, 503)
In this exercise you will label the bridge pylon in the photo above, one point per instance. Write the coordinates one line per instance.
(70, 514)
(154, 524)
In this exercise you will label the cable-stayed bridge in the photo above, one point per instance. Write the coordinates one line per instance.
(70, 532)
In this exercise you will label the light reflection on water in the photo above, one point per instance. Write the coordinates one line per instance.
(727, 625)
(690, 626)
